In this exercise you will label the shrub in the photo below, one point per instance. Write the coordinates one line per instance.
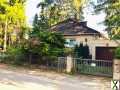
(117, 53)
(3, 57)
(68, 51)
(86, 51)
(81, 51)
(16, 55)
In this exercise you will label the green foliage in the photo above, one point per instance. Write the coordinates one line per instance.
(112, 10)
(12, 18)
(117, 53)
(78, 6)
(68, 51)
(40, 25)
(81, 51)
(58, 11)
(50, 44)
(116, 37)
(86, 51)
(17, 55)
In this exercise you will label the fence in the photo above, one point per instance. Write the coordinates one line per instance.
(93, 67)
(78, 65)
(58, 65)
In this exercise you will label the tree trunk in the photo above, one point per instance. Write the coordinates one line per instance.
(5, 36)
(9, 40)
(78, 16)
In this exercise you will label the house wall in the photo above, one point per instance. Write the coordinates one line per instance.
(81, 38)
(101, 43)
(93, 42)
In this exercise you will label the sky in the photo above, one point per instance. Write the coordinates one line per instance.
(93, 21)
(31, 10)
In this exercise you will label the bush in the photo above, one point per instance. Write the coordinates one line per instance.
(16, 55)
(117, 53)
(81, 51)
(3, 57)
(68, 51)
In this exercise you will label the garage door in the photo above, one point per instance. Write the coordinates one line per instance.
(105, 53)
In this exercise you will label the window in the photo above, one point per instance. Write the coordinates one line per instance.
(70, 42)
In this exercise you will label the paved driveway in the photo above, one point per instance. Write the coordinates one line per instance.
(35, 80)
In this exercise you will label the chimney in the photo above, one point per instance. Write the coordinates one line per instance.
(84, 23)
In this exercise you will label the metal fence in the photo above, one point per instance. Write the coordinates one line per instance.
(80, 66)
(58, 65)
(93, 67)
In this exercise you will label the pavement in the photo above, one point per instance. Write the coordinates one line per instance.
(27, 79)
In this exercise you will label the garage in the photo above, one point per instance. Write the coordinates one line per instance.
(105, 53)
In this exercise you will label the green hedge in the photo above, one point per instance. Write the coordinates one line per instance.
(117, 53)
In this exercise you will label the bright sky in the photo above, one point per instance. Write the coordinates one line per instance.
(93, 20)
(31, 10)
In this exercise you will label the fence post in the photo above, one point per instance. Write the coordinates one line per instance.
(69, 64)
(116, 70)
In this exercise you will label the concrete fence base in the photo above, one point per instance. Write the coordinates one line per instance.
(69, 64)
(116, 70)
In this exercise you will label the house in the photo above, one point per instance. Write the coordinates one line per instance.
(76, 32)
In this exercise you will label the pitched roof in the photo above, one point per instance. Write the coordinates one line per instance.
(73, 27)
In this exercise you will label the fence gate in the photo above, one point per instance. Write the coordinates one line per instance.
(93, 67)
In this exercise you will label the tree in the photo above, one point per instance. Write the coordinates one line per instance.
(54, 14)
(58, 11)
(72, 8)
(79, 51)
(50, 10)
(50, 44)
(3, 19)
(82, 51)
(35, 22)
(40, 24)
(86, 52)
(78, 6)
(12, 17)
(112, 10)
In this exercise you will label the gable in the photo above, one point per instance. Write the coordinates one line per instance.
(73, 27)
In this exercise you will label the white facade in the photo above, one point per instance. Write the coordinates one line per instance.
(92, 41)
